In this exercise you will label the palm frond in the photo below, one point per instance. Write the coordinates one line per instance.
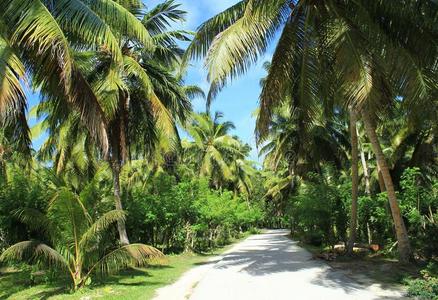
(240, 45)
(34, 252)
(159, 18)
(35, 220)
(101, 225)
(194, 91)
(80, 19)
(207, 32)
(164, 117)
(127, 256)
(11, 72)
(122, 20)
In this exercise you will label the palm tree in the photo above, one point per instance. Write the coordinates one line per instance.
(75, 242)
(140, 98)
(244, 173)
(303, 149)
(212, 147)
(41, 35)
(339, 42)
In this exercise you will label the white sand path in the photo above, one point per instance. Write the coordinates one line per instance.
(270, 266)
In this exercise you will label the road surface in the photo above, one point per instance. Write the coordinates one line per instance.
(270, 266)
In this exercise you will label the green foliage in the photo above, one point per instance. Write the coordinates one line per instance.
(19, 188)
(419, 204)
(375, 224)
(427, 287)
(431, 270)
(423, 289)
(318, 213)
(72, 241)
(187, 215)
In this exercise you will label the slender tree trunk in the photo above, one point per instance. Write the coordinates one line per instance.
(354, 181)
(381, 181)
(118, 202)
(119, 156)
(370, 236)
(404, 247)
(366, 172)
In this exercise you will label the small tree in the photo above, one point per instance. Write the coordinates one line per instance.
(75, 242)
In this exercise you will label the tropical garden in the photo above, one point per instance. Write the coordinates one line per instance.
(129, 172)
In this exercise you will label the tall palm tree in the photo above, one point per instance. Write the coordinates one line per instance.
(244, 173)
(321, 140)
(346, 38)
(137, 95)
(212, 147)
(42, 35)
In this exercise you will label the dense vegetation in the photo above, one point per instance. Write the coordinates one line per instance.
(347, 127)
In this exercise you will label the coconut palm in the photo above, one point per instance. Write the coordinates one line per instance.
(75, 240)
(212, 147)
(354, 181)
(41, 35)
(140, 98)
(244, 173)
(303, 150)
(323, 43)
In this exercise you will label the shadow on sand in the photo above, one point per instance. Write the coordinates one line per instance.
(280, 254)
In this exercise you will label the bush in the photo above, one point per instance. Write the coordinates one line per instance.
(423, 289)
(187, 215)
(318, 211)
(419, 204)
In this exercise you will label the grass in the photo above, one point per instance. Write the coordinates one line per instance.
(129, 284)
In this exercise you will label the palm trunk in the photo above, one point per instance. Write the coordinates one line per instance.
(119, 156)
(354, 181)
(118, 202)
(366, 172)
(404, 248)
(381, 181)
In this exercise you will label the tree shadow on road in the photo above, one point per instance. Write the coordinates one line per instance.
(275, 253)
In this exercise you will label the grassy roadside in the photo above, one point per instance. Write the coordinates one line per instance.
(129, 284)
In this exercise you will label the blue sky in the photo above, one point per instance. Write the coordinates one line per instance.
(238, 100)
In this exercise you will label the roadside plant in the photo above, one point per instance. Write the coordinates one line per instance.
(75, 242)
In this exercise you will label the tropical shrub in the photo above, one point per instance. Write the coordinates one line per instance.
(375, 225)
(318, 211)
(74, 241)
(423, 289)
(187, 215)
(17, 190)
(419, 204)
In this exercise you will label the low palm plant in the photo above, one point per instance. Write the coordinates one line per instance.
(74, 242)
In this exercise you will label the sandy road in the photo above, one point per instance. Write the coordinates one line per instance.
(270, 266)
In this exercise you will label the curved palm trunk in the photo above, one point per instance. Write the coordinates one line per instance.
(123, 236)
(404, 248)
(366, 174)
(354, 181)
(381, 181)
(366, 171)
(119, 155)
